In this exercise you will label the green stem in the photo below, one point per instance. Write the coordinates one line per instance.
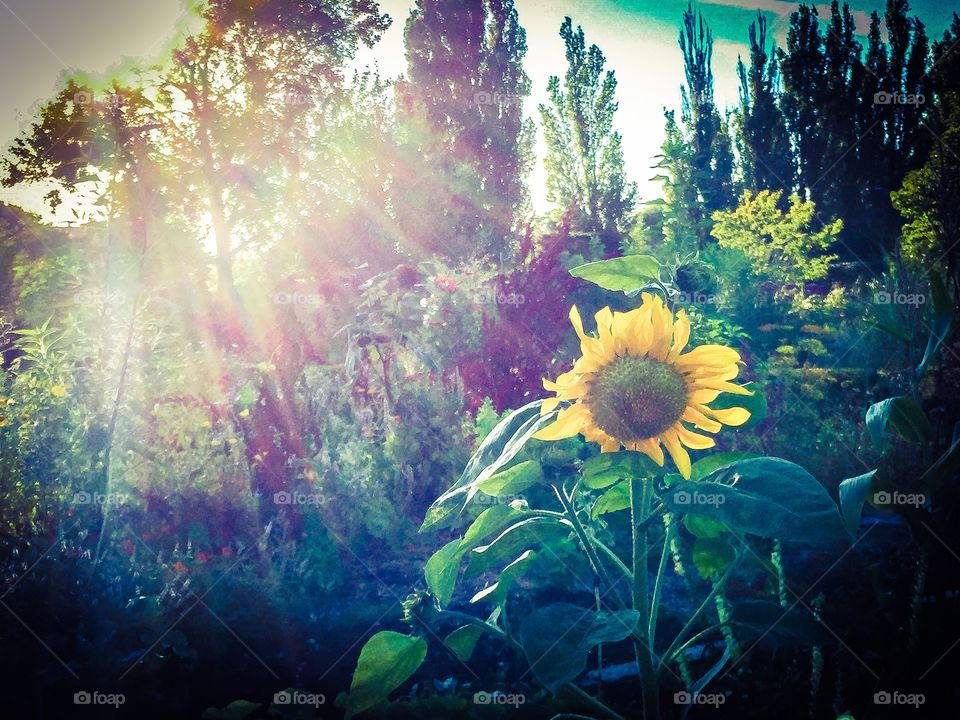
(717, 586)
(658, 585)
(640, 497)
(703, 633)
(627, 572)
(588, 548)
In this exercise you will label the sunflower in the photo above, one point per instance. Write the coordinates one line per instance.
(634, 387)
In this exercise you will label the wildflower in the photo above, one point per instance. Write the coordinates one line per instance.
(446, 284)
(632, 387)
(59, 391)
(180, 567)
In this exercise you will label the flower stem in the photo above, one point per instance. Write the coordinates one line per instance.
(640, 497)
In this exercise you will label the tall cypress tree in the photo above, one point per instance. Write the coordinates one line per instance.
(585, 166)
(461, 180)
(763, 145)
(704, 126)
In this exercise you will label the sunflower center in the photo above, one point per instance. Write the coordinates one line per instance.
(634, 398)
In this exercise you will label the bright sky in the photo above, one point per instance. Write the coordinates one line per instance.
(39, 39)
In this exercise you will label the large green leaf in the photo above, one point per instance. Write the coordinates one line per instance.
(853, 494)
(521, 536)
(497, 592)
(513, 480)
(605, 469)
(902, 414)
(623, 274)
(497, 449)
(942, 320)
(557, 638)
(711, 556)
(613, 500)
(385, 662)
(443, 567)
(463, 640)
(763, 496)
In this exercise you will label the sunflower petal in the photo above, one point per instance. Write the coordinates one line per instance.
(681, 335)
(568, 423)
(693, 440)
(731, 416)
(695, 416)
(651, 448)
(681, 457)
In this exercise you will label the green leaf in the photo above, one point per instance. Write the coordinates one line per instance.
(944, 471)
(763, 496)
(623, 274)
(497, 449)
(463, 640)
(903, 414)
(756, 404)
(711, 557)
(793, 627)
(513, 480)
(385, 662)
(517, 538)
(853, 494)
(442, 569)
(613, 500)
(703, 467)
(605, 469)
(942, 320)
(704, 527)
(497, 592)
(557, 638)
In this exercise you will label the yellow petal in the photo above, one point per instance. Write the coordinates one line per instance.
(692, 415)
(709, 355)
(588, 346)
(721, 385)
(568, 423)
(651, 448)
(731, 416)
(693, 440)
(549, 405)
(681, 457)
(681, 335)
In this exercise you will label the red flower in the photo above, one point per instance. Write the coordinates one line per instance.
(127, 546)
(446, 284)
(180, 567)
(204, 556)
(226, 551)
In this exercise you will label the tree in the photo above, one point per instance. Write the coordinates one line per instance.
(772, 238)
(585, 165)
(466, 145)
(765, 155)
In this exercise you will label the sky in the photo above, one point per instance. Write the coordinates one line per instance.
(42, 39)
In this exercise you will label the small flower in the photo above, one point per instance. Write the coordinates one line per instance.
(180, 567)
(59, 391)
(633, 388)
(445, 283)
